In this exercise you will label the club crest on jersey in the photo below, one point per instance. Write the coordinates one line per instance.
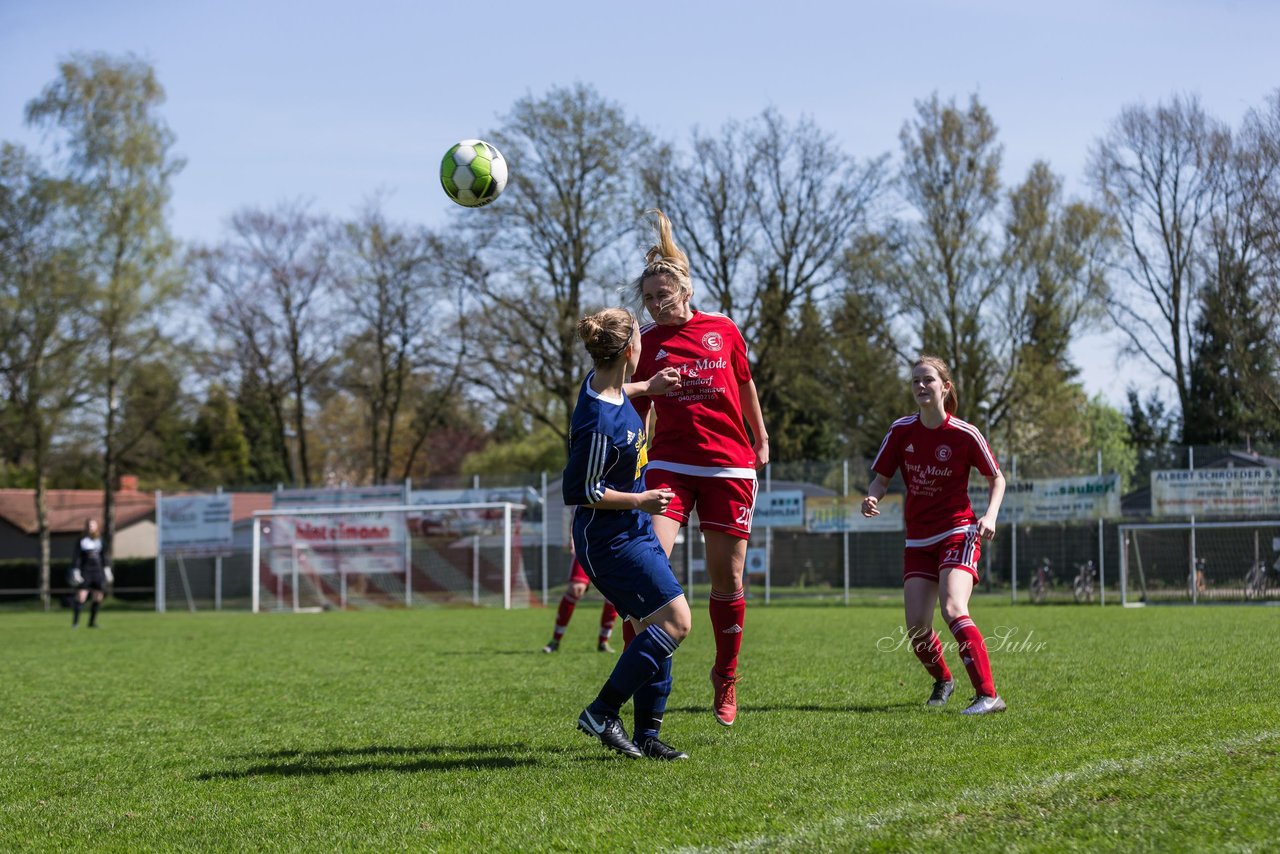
(713, 341)
(943, 453)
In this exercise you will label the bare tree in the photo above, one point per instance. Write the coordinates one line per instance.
(1235, 372)
(400, 295)
(948, 272)
(1156, 172)
(271, 299)
(574, 194)
(811, 201)
(707, 191)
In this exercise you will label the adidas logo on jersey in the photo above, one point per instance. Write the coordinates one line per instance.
(662, 354)
(631, 437)
(911, 449)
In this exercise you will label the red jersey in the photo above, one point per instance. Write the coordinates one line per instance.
(700, 429)
(935, 468)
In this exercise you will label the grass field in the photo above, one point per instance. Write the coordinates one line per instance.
(1150, 729)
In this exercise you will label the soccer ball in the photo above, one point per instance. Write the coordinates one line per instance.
(473, 173)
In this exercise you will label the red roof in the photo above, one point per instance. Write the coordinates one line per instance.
(70, 508)
(243, 504)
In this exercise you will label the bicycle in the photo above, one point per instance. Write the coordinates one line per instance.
(1083, 584)
(1041, 582)
(1255, 582)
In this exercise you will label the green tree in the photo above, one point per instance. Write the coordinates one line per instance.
(541, 450)
(1109, 436)
(804, 421)
(261, 415)
(118, 165)
(867, 371)
(153, 425)
(1153, 430)
(1053, 282)
(43, 329)
(218, 441)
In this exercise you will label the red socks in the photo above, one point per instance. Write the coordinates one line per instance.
(973, 652)
(929, 651)
(608, 616)
(728, 611)
(564, 614)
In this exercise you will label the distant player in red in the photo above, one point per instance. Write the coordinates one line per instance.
(579, 581)
(701, 449)
(934, 451)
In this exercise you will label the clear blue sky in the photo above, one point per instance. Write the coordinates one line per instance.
(332, 101)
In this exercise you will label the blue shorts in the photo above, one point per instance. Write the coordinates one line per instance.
(638, 581)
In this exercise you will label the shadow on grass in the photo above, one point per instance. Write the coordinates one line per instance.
(489, 653)
(429, 757)
(848, 708)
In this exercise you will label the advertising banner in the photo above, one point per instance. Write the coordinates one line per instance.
(432, 521)
(194, 525)
(834, 514)
(1216, 492)
(1059, 499)
(351, 541)
(781, 509)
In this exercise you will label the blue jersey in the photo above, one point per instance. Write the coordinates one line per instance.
(606, 450)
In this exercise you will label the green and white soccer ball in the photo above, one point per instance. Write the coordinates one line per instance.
(473, 173)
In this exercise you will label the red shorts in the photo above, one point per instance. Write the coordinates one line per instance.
(578, 575)
(723, 503)
(959, 550)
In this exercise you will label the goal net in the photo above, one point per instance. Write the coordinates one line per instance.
(393, 556)
(1204, 562)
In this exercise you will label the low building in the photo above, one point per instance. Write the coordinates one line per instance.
(68, 510)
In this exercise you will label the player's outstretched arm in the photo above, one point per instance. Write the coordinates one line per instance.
(871, 504)
(651, 501)
(667, 379)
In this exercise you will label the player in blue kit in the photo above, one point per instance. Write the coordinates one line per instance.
(614, 539)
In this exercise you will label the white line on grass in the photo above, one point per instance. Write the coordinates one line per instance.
(989, 793)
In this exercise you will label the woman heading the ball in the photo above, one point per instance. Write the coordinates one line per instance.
(615, 542)
(701, 451)
(934, 450)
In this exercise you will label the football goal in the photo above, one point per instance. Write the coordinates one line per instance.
(1200, 562)
(393, 556)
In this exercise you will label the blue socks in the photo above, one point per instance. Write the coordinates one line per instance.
(636, 669)
(651, 701)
